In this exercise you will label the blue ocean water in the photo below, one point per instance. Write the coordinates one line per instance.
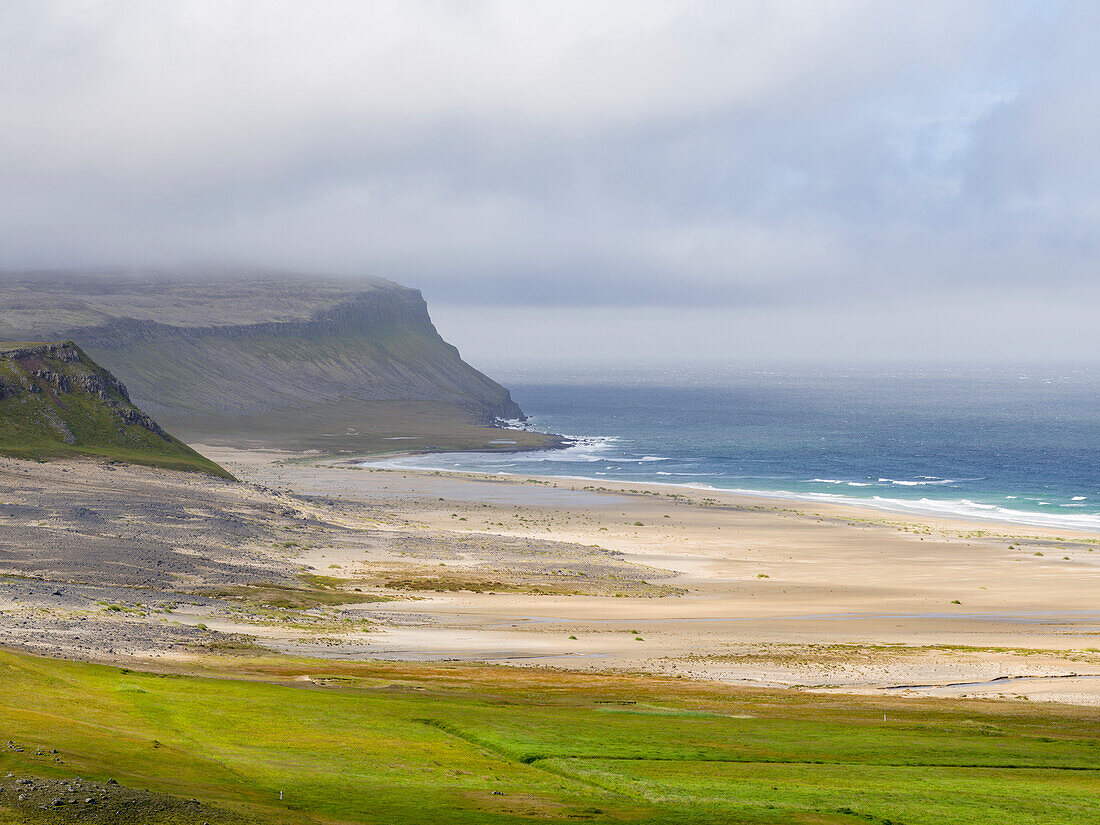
(1004, 444)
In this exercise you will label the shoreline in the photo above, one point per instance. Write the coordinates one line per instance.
(737, 497)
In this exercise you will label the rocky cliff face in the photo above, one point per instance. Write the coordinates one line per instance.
(91, 380)
(202, 349)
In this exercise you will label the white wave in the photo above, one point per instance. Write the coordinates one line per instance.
(584, 450)
(828, 480)
(955, 508)
(928, 480)
(647, 458)
(1078, 498)
(960, 508)
(581, 449)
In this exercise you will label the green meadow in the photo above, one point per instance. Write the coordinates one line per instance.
(417, 743)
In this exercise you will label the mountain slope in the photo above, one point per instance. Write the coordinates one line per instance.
(55, 401)
(209, 355)
(373, 346)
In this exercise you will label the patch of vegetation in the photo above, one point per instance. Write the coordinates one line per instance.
(290, 597)
(235, 645)
(445, 584)
(456, 581)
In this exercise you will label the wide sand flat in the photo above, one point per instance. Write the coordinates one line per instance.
(741, 589)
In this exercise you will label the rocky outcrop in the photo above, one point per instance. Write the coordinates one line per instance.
(130, 415)
(102, 386)
(66, 352)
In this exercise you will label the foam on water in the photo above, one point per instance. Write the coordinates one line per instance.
(921, 483)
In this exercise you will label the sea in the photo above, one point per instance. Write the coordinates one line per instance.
(1003, 444)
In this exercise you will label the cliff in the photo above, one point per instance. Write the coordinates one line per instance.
(56, 401)
(290, 356)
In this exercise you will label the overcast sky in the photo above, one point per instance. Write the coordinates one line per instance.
(592, 179)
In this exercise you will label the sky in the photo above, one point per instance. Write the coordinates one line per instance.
(642, 180)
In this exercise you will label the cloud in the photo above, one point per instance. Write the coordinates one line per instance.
(566, 153)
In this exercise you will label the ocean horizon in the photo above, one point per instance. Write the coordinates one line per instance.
(1009, 445)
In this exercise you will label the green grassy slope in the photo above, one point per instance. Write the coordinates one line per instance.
(382, 743)
(55, 401)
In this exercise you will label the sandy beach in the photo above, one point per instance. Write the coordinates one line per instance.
(723, 587)
(320, 557)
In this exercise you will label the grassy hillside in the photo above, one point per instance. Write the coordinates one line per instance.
(55, 401)
(392, 743)
(203, 354)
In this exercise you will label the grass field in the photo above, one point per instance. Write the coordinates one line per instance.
(396, 743)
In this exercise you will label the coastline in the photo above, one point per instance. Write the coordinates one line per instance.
(745, 590)
(848, 506)
(998, 451)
